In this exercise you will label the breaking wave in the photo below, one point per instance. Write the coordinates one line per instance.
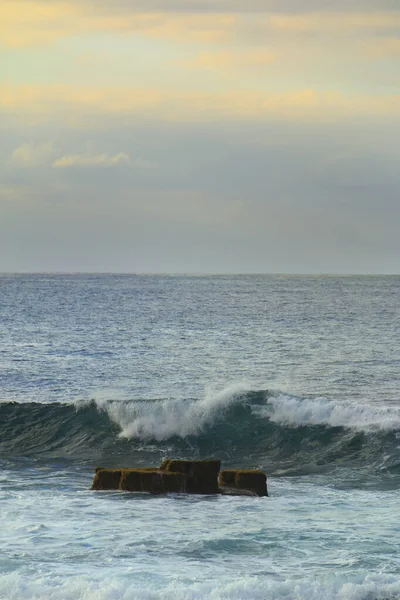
(279, 432)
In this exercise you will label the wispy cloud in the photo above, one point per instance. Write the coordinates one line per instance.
(226, 59)
(7, 192)
(336, 23)
(45, 22)
(78, 105)
(381, 48)
(26, 23)
(32, 155)
(91, 160)
(88, 159)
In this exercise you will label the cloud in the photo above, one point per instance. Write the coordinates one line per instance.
(230, 60)
(80, 105)
(25, 23)
(32, 23)
(248, 6)
(7, 192)
(382, 48)
(32, 155)
(245, 6)
(91, 160)
(336, 23)
(142, 163)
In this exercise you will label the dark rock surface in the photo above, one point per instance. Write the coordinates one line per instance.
(183, 476)
(244, 479)
(201, 475)
(106, 479)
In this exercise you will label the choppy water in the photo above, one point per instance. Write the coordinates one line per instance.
(295, 375)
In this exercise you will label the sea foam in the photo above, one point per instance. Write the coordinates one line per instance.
(294, 411)
(371, 587)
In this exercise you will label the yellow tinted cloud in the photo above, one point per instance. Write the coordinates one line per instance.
(31, 155)
(91, 160)
(29, 23)
(176, 27)
(336, 23)
(7, 192)
(81, 103)
(38, 22)
(35, 23)
(382, 48)
(230, 60)
(48, 99)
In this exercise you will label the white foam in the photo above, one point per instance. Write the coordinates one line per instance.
(161, 420)
(15, 586)
(293, 411)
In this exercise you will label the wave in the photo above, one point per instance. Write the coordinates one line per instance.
(281, 433)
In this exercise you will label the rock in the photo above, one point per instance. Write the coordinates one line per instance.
(153, 481)
(201, 475)
(190, 476)
(227, 478)
(106, 479)
(173, 482)
(150, 479)
(254, 480)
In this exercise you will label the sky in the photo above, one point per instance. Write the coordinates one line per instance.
(200, 136)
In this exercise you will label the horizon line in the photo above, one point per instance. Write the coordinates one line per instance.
(203, 273)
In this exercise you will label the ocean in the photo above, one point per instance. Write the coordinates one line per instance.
(296, 375)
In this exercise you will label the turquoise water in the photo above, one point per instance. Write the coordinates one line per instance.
(296, 375)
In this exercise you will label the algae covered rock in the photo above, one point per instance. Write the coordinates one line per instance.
(138, 480)
(227, 478)
(190, 476)
(153, 481)
(110, 479)
(252, 479)
(173, 482)
(201, 475)
(106, 479)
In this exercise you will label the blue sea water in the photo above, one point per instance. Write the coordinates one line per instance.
(296, 375)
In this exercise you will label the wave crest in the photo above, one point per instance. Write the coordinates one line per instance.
(165, 419)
